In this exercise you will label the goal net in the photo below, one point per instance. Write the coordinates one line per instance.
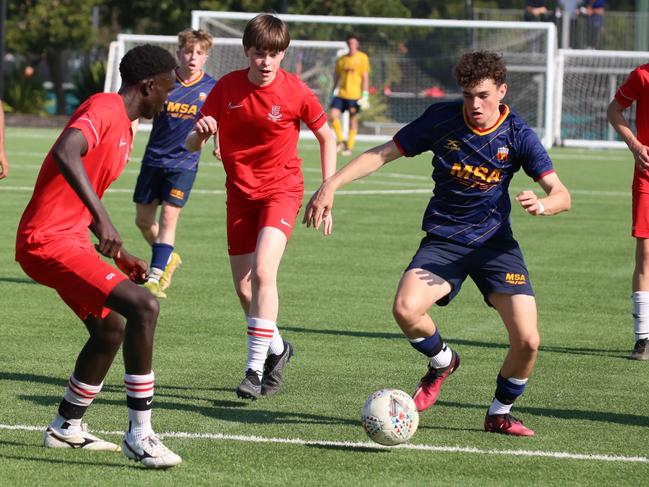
(312, 60)
(412, 61)
(586, 83)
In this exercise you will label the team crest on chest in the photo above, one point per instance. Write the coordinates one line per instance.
(275, 113)
(502, 154)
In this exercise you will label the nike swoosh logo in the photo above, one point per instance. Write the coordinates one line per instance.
(122, 143)
(231, 106)
(148, 403)
(284, 222)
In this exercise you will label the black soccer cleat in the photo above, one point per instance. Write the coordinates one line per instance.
(640, 350)
(250, 387)
(274, 370)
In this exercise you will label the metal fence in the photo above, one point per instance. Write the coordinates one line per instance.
(619, 31)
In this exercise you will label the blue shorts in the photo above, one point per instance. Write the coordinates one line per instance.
(496, 267)
(162, 184)
(343, 104)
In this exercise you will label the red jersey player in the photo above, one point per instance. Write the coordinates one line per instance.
(258, 111)
(53, 248)
(636, 89)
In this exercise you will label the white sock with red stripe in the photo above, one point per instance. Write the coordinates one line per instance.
(139, 399)
(260, 336)
(78, 396)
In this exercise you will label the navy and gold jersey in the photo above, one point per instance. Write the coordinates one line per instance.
(472, 169)
(166, 147)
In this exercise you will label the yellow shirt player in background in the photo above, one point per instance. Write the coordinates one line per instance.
(351, 85)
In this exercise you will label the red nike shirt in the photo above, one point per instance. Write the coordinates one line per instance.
(259, 129)
(636, 89)
(55, 210)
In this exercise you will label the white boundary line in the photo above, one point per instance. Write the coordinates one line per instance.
(365, 444)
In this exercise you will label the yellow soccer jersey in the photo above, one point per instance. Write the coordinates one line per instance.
(350, 71)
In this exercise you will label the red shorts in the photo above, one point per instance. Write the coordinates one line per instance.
(245, 218)
(640, 211)
(74, 269)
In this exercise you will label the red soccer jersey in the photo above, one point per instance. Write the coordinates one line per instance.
(55, 210)
(259, 129)
(636, 88)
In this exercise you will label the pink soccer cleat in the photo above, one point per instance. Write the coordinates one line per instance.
(506, 424)
(428, 389)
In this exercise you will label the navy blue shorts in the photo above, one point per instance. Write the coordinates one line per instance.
(343, 104)
(496, 267)
(162, 184)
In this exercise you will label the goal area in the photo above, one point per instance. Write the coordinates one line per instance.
(586, 83)
(412, 61)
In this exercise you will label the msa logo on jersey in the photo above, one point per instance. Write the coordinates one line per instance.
(477, 176)
(515, 279)
(275, 113)
(184, 110)
(177, 193)
(502, 154)
(202, 96)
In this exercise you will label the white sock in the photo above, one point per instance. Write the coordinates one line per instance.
(139, 392)
(498, 407)
(640, 300)
(155, 274)
(277, 344)
(442, 359)
(260, 336)
(73, 425)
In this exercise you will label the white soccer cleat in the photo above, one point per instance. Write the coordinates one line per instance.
(149, 451)
(61, 438)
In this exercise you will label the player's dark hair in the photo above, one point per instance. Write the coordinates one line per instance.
(352, 36)
(145, 61)
(266, 33)
(474, 67)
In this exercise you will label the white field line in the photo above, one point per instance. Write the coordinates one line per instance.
(354, 192)
(363, 444)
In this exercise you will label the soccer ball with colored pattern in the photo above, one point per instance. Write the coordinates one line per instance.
(389, 417)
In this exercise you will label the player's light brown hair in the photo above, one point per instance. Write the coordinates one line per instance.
(474, 67)
(266, 33)
(191, 37)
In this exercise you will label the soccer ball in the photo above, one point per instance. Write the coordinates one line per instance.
(389, 417)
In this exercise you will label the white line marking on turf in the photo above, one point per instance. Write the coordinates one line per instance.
(364, 444)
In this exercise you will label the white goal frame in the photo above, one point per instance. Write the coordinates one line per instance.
(616, 77)
(548, 28)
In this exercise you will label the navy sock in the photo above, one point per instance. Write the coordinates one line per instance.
(507, 391)
(430, 346)
(160, 255)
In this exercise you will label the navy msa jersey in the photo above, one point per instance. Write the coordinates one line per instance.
(472, 169)
(166, 146)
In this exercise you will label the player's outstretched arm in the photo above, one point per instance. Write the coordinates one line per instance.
(328, 165)
(321, 203)
(67, 154)
(557, 197)
(621, 125)
(204, 128)
(134, 267)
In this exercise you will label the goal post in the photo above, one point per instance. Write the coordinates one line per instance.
(586, 83)
(412, 61)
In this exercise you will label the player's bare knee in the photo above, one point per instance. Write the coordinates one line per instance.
(405, 313)
(528, 346)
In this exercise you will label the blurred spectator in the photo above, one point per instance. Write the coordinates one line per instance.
(594, 9)
(537, 11)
